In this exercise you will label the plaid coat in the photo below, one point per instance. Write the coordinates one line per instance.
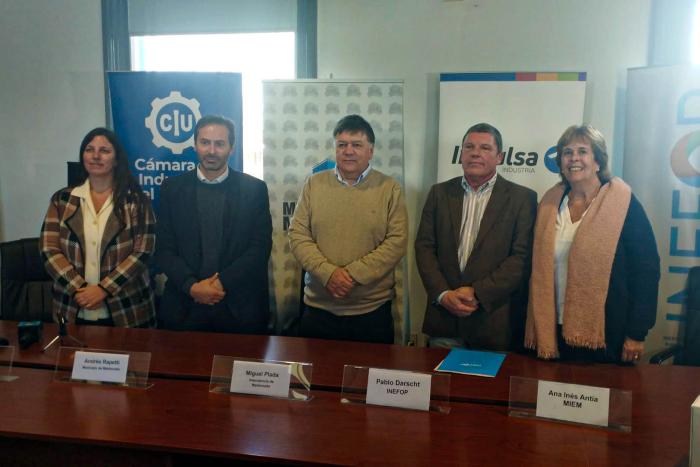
(123, 266)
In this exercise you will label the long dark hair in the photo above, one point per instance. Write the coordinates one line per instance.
(125, 187)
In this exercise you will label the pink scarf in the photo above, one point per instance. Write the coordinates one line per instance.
(588, 277)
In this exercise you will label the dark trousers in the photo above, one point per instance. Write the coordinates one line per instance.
(376, 326)
(99, 322)
(582, 354)
(216, 318)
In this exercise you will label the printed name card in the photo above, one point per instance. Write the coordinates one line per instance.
(7, 354)
(573, 403)
(395, 388)
(98, 366)
(695, 433)
(259, 378)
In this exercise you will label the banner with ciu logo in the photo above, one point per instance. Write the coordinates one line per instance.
(662, 164)
(154, 115)
(531, 110)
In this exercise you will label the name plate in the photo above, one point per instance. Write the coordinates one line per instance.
(573, 403)
(262, 379)
(98, 366)
(695, 433)
(396, 388)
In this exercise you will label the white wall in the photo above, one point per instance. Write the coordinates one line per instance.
(51, 94)
(417, 39)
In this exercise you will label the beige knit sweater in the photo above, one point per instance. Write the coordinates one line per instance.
(363, 228)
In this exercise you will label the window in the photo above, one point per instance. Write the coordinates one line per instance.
(695, 38)
(257, 56)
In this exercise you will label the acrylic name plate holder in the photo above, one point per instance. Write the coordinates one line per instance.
(101, 366)
(396, 388)
(7, 358)
(578, 404)
(263, 378)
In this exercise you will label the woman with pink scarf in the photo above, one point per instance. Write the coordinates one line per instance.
(595, 265)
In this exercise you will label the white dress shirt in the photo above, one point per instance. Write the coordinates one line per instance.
(356, 182)
(218, 179)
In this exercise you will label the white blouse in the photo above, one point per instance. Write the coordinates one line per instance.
(93, 229)
(565, 234)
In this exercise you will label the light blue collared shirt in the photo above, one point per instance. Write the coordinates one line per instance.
(359, 179)
(218, 179)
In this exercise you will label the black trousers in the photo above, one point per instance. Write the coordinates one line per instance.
(99, 322)
(216, 318)
(376, 326)
(581, 354)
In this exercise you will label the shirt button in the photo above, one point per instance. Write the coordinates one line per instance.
(94, 222)
(94, 242)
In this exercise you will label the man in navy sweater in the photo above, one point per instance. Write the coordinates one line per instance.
(214, 236)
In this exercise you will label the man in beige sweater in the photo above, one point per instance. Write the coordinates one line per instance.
(349, 232)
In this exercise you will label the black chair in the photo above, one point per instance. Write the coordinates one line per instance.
(25, 287)
(688, 351)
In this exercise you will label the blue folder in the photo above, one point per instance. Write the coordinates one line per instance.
(472, 362)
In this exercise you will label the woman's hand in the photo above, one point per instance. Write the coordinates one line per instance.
(90, 296)
(632, 350)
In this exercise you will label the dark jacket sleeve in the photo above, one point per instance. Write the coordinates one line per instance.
(249, 270)
(426, 249)
(167, 256)
(643, 271)
(510, 273)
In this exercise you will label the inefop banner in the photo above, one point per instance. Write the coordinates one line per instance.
(662, 165)
(154, 115)
(531, 110)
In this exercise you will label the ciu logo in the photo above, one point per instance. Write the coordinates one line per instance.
(172, 120)
(689, 143)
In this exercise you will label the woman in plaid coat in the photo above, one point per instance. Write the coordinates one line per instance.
(96, 240)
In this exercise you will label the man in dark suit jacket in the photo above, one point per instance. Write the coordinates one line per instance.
(473, 250)
(214, 236)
